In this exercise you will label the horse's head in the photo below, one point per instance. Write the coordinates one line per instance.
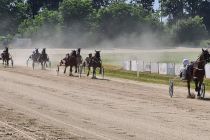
(205, 54)
(43, 50)
(78, 50)
(36, 50)
(97, 54)
(73, 53)
(90, 55)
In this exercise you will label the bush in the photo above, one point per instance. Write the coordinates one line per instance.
(191, 30)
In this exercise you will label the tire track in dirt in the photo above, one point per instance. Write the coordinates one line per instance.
(105, 109)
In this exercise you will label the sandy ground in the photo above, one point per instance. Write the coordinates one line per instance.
(41, 105)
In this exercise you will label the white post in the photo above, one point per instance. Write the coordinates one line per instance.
(137, 68)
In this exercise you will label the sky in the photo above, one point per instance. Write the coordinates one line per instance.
(156, 5)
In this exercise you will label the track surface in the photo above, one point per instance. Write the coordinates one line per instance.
(41, 105)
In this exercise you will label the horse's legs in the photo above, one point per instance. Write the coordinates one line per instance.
(7, 62)
(70, 74)
(196, 85)
(64, 70)
(199, 87)
(94, 72)
(100, 70)
(58, 69)
(41, 66)
(76, 68)
(45, 63)
(188, 86)
(88, 71)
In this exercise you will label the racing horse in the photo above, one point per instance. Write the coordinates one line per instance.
(34, 57)
(79, 60)
(38, 58)
(6, 57)
(43, 59)
(95, 63)
(69, 61)
(196, 72)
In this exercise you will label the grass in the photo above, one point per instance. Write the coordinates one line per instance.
(163, 57)
(117, 72)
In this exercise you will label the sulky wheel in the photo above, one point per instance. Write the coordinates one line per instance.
(102, 72)
(33, 65)
(171, 88)
(202, 90)
(12, 62)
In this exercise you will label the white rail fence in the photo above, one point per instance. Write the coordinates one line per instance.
(156, 67)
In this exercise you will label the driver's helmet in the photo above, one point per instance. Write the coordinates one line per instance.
(36, 50)
(44, 50)
(185, 62)
(90, 54)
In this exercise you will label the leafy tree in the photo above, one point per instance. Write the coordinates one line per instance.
(76, 14)
(174, 9)
(146, 4)
(12, 12)
(36, 5)
(122, 18)
(204, 11)
(100, 3)
(189, 30)
(43, 26)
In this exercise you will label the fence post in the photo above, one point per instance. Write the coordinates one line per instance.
(137, 62)
(174, 69)
(150, 67)
(130, 64)
(158, 68)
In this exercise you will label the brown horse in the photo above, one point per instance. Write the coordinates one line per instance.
(6, 58)
(196, 71)
(69, 61)
(95, 62)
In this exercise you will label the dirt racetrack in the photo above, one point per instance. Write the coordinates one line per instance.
(41, 105)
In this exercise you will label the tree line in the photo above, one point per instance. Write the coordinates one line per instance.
(188, 21)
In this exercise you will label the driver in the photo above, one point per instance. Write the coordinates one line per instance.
(89, 58)
(5, 52)
(44, 54)
(36, 51)
(183, 72)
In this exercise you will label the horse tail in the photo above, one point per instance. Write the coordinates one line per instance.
(58, 69)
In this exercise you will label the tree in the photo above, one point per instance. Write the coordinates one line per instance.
(122, 18)
(204, 11)
(192, 7)
(36, 5)
(146, 4)
(12, 12)
(43, 26)
(100, 3)
(76, 14)
(189, 30)
(174, 9)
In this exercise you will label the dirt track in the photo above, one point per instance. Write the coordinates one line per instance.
(41, 105)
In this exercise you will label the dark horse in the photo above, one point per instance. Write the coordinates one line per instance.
(38, 58)
(196, 71)
(6, 57)
(43, 59)
(95, 63)
(69, 61)
(79, 60)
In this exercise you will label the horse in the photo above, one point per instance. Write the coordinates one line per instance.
(34, 57)
(69, 61)
(43, 59)
(95, 62)
(79, 60)
(196, 72)
(6, 57)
